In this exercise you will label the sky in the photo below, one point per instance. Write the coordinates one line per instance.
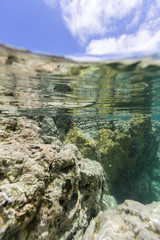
(82, 28)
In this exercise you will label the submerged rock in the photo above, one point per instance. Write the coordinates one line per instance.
(126, 149)
(46, 191)
(131, 220)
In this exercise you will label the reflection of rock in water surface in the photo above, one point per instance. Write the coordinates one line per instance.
(30, 83)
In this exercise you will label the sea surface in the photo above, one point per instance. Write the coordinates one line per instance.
(110, 89)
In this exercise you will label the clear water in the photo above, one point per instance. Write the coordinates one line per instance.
(111, 90)
(94, 91)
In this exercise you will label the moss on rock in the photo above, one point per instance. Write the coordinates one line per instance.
(125, 149)
(86, 146)
(114, 150)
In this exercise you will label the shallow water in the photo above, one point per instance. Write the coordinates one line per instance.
(91, 96)
(111, 90)
(77, 139)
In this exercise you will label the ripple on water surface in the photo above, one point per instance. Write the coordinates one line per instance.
(90, 89)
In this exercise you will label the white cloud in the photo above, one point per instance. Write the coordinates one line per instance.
(85, 58)
(135, 19)
(51, 3)
(86, 18)
(145, 40)
(140, 42)
(152, 21)
(92, 19)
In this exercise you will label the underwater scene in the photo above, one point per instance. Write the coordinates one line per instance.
(79, 148)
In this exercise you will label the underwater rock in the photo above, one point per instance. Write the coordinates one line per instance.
(47, 191)
(53, 126)
(155, 176)
(131, 220)
(124, 148)
(48, 126)
(86, 145)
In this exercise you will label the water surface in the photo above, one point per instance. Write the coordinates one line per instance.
(109, 89)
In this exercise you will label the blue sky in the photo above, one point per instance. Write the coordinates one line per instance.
(82, 27)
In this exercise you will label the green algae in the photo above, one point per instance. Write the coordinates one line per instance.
(114, 149)
(125, 149)
(86, 146)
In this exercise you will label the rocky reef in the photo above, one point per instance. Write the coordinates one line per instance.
(63, 164)
(47, 191)
(126, 149)
(131, 220)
